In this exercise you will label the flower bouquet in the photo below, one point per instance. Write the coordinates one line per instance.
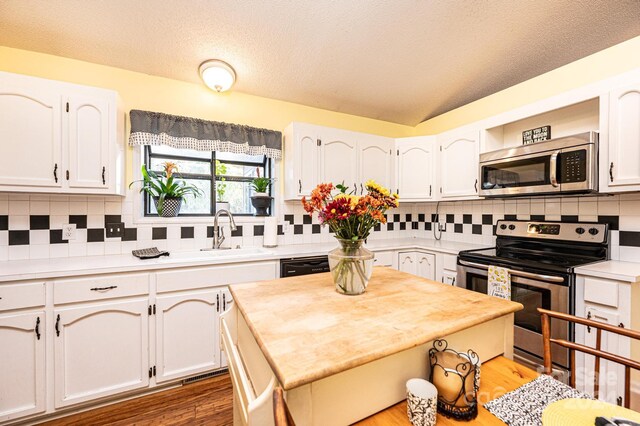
(351, 218)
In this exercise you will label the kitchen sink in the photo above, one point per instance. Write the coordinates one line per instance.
(214, 254)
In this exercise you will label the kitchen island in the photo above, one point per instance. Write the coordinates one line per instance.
(342, 358)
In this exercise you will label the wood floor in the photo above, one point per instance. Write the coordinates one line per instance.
(208, 402)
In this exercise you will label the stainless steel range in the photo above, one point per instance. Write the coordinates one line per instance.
(540, 258)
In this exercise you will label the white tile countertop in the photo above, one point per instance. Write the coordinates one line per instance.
(612, 270)
(15, 270)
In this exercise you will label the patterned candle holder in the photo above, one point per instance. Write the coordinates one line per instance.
(422, 400)
(457, 377)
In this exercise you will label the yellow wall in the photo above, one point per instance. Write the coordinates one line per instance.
(599, 66)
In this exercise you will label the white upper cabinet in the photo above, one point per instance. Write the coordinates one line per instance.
(623, 167)
(339, 158)
(459, 155)
(376, 163)
(301, 158)
(88, 142)
(30, 134)
(59, 137)
(416, 165)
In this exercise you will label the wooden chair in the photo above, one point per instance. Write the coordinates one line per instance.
(597, 351)
(281, 414)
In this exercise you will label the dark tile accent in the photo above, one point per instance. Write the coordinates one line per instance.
(306, 219)
(18, 238)
(236, 233)
(112, 218)
(495, 227)
(389, 226)
(466, 218)
(39, 222)
(377, 227)
(315, 228)
(487, 219)
(476, 229)
(613, 221)
(55, 237)
(280, 230)
(331, 231)
(427, 226)
(130, 234)
(97, 235)
(160, 233)
(289, 218)
(258, 230)
(457, 228)
(451, 218)
(396, 218)
(403, 226)
(186, 232)
(297, 229)
(4, 223)
(630, 238)
(421, 217)
(408, 217)
(80, 220)
(569, 218)
(510, 217)
(414, 225)
(538, 217)
(434, 217)
(209, 231)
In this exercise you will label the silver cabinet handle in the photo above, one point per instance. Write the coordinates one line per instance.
(523, 274)
(299, 185)
(553, 165)
(111, 287)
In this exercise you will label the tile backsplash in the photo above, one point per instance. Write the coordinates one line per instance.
(31, 225)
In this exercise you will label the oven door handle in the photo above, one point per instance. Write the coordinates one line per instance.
(553, 167)
(523, 274)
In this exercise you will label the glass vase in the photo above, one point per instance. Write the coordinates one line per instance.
(351, 266)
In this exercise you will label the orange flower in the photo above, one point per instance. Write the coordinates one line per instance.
(170, 168)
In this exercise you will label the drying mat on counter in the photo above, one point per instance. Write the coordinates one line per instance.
(524, 406)
(149, 253)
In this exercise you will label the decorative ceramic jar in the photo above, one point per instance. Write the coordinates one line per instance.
(351, 266)
(261, 202)
(170, 206)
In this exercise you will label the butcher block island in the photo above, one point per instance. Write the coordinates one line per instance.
(342, 358)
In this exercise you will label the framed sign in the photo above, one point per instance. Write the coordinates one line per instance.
(538, 134)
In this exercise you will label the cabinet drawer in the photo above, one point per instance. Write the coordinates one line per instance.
(383, 258)
(211, 276)
(18, 296)
(601, 291)
(100, 287)
(449, 262)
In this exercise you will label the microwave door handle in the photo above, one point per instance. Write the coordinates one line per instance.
(553, 166)
(522, 274)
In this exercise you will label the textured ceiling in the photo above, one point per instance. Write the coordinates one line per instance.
(402, 61)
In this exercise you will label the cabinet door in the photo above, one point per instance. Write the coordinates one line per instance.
(227, 304)
(100, 350)
(30, 134)
(187, 334)
(407, 262)
(306, 159)
(339, 159)
(459, 164)
(375, 163)
(449, 277)
(426, 264)
(88, 142)
(415, 169)
(22, 369)
(624, 136)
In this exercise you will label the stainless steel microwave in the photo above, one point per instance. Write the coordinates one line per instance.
(566, 165)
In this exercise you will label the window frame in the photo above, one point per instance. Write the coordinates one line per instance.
(147, 155)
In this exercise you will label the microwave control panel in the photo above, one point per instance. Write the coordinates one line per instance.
(573, 166)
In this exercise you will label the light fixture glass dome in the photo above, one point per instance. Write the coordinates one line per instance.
(217, 75)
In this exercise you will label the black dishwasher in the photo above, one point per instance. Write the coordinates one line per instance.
(303, 266)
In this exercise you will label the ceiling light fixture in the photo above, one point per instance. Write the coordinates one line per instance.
(217, 75)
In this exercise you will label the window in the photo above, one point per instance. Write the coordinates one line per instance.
(223, 178)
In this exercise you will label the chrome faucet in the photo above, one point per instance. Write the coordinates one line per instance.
(218, 232)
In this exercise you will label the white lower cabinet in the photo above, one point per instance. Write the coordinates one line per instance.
(22, 365)
(418, 263)
(187, 330)
(449, 277)
(100, 350)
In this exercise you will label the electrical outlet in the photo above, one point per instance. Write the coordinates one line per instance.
(285, 226)
(115, 230)
(69, 232)
(442, 227)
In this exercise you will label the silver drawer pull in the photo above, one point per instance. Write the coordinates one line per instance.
(104, 288)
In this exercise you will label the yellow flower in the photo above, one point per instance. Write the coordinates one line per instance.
(371, 184)
(353, 199)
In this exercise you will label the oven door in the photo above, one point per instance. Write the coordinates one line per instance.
(527, 174)
(533, 291)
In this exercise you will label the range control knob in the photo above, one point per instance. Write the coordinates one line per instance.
(503, 226)
(580, 231)
(512, 227)
(593, 231)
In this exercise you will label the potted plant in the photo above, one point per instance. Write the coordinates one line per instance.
(221, 187)
(260, 199)
(166, 189)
